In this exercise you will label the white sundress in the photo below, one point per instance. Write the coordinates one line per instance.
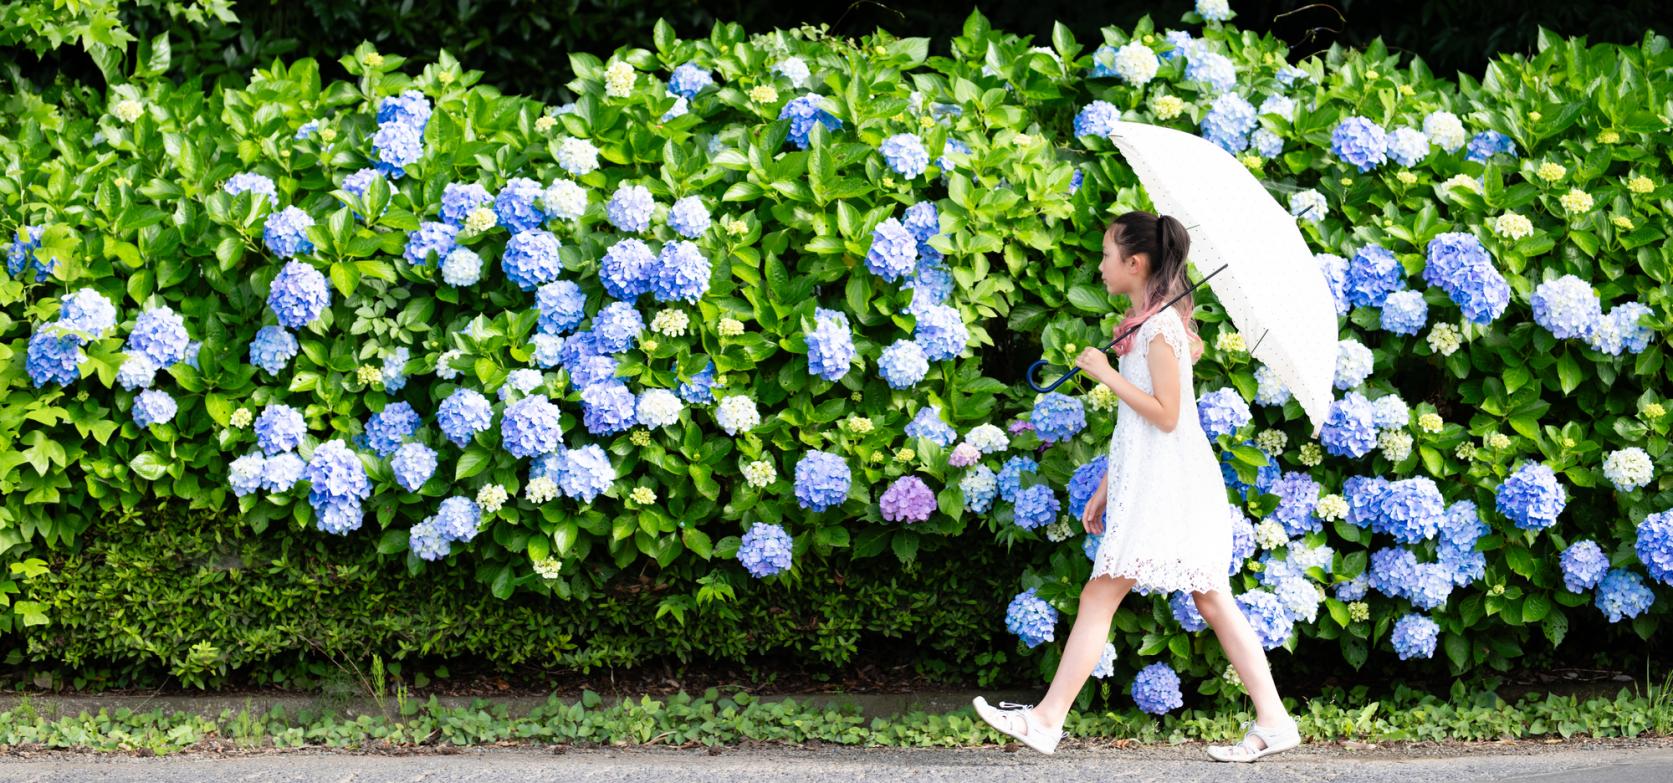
(1167, 524)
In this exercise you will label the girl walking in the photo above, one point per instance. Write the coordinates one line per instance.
(1163, 497)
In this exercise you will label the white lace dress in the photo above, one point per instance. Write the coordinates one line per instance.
(1167, 524)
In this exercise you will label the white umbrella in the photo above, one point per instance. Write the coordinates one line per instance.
(1271, 286)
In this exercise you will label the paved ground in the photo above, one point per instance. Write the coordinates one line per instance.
(1618, 762)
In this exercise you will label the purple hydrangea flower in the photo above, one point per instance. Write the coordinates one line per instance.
(909, 499)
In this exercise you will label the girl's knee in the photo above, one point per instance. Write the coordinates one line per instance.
(1209, 605)
(1103, 591)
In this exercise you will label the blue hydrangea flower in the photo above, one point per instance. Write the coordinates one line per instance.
(153, 406)
(1222, 412)
(905, 154)
(1408, 146)
(1269, 388)
(1431, 587)
(688, 79)
(1373, 274)
(279, 429)
(1057, 417)
(617, 327)
(1622, 595)
(1266, 144)
(1031, 618)
(1414, 637)
(1413, 510)
(903, 364)
(286, 232)
(160, 334)
(1405, 312)
(430, 237)
(337, 485)
(607, 408)
(410, 108)
(1298, 495)
(922, 221)
(822, 480)
(1299, 597)
(1481, 293)
(1097, 118)
(1457, 263)
(699, 390)
(548, 350)
(458, 518)
(517, 205)
(586, 473)
(1084, 482)
(1463, 525)
(1185, 612)
(562, 306)
(1655, 545)
(979, 487)
(689, 217)
(1289, 73)
(530, 427)
(1335, 269)
(245, 474)
(1486, 144)
(1267, 616)
(954, 145)
(136, 372)
(531, 258)
(1531, 497)
(927, 423)
(1584, 565)
(1089, 546)
(765, 550)
(1036, 506)
(1010, 475)
(941, 332)
(280, 473)
(388, 428)
(1353, 589)
(462, 414)
(298, 295)
(1567, 307)
(1228, 122)
(1211, 68)
(932, 284)
(520, 381)
(1281, 105)
(1627, 320)
(412, 465)
(53, 356)
(462, 267)
(1390, 411)
(1359, 142)
(1265, 475)
(1365, 498)
(458, 201)
(1393, 571)
(630, 208)
(357, 183)
(396, 145)
(1156, 689)
(1464, 562)
(1183, 45)
(1349, 431)
(830, 346)
(251, 182)
(1354, 363)
(626, 269)
(893, 252)
(89, 311)
(803, 112)
(681, 273)
(1243, 539)
(426, 541)
(395, 370)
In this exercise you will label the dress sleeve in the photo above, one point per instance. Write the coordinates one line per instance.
(1167, 324)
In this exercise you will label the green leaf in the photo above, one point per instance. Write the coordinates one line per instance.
(1457, 650)
(1568, 372)
(697, 541)
(1089, 300)
(393, 540)
(1535, 607)
(148, 465)
(345, 276)
(905, 544)
(475, 460)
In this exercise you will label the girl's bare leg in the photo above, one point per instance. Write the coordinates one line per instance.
(1098, 602)
(1238, 639)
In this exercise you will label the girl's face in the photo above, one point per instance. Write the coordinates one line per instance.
(1122, 274)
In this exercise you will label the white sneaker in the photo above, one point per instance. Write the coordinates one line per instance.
(1276, 739)
(1018, 721)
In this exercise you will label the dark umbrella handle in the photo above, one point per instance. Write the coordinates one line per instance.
(1034, 373)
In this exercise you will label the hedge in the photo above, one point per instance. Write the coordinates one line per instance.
(742, 423)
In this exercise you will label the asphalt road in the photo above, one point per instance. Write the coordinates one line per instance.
(1640, 762)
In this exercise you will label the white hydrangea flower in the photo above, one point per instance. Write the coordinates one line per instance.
(577, 156)
(1269, 389)
(128, 110)
(240, 418)
(1309, 205)
(670, 322)
(794, 69)
(759, 473)
(545, 123)
(659, 408)
(1057, 532)
(1576, 201)
(564, 199)
(548, 567)
(1462, 181)
(1430, 423)
(1167, 107)
(1230, 342)
(1331, 508)
(1311, 454)
(736, 414)
(1396, 444)
(1270, 535)
(1513, 226)
(1629, 468)
(1106, 662)
(730, 327)
(1445, 129)
(644, 496)
(540, 489)
(481, 219)
(1353, 363)
(444, 364)
(1272, 441)
(491, 497)
(1102, 398)
(988, 438)
(1136, 64)
(618, 79)
(1445, 339)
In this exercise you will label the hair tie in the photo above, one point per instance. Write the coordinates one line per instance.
(1160, 229)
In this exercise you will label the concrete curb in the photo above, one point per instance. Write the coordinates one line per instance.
(871, 705)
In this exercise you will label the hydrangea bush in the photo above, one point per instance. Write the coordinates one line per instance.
(739, 319)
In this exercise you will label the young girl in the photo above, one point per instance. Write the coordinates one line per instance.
(1163, 496)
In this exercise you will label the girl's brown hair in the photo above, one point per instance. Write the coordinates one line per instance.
(1165, 241)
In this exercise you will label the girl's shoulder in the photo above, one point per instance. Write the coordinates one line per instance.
(1168, 325)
